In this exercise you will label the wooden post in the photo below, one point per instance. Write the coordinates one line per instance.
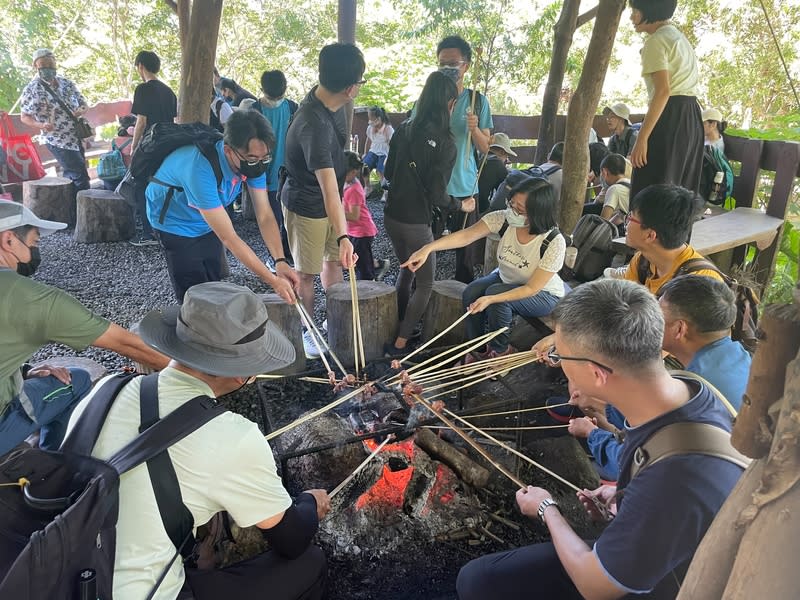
(103, 216)
(377, 305)
(286, 318)
(51, 198)
(445, 307)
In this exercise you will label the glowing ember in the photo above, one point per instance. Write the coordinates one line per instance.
(388, 491)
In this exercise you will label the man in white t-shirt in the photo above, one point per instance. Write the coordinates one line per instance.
(218, 340)
(612, 202)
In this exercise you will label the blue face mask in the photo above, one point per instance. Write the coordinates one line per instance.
(515, 220)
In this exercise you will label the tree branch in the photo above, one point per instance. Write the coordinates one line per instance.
(173, 5)
(586, 17)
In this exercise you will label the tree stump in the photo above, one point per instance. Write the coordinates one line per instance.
(103, 216)
(490, 253)
(287, 319)
(96, 370)
(51, 198)
(377, 306)
(445, 307)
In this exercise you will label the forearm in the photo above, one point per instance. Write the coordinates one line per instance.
(575, 556)
(138, 132)
(130, 345)
(31, 121)
(481, 137)
(292, 535)
(250, 259)
(267, 223)
(335, 212)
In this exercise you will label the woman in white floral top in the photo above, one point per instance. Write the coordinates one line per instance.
(529, 256)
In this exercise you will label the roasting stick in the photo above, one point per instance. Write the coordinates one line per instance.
(491, 374)
(469, 441)
(476, 71)
(316, 342)
(498, 363)
(316, 413)
(358, 469)
(318, 338)
(358, 338)
(453, 353)
(482, 371)
(521, 410)
(527, 428)
(475, 188)
(436, 337)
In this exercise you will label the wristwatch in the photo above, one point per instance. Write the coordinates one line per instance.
(543, 507)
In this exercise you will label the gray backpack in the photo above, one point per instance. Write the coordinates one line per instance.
(592, 237)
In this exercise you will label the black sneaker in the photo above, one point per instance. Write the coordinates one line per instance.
(380, 271)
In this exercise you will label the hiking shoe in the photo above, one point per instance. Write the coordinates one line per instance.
(324, 328)
(392, 351)
(140, 241)
(380, 271)
(309, 346)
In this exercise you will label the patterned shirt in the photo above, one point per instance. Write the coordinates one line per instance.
(37, 102)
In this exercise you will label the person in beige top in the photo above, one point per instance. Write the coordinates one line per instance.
(669, 148)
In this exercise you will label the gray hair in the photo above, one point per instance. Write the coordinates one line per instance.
(618, 322)
(707, 304)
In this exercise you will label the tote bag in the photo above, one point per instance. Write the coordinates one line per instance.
(19, 160)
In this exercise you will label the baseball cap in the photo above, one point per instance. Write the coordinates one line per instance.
(712, 114)
(13, 215)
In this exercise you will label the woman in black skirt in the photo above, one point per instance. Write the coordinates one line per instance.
(669, 148)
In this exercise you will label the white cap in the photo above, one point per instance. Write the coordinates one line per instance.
(13, 215)
(712, 114)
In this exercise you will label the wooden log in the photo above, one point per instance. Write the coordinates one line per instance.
(444, 308)
(466, 468)
(288, 321)
(377, 305)
(490, 253)
(780, 341)
(103, 216)
(96, 370)
(51, 198)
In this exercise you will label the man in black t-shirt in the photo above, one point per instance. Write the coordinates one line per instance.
(153, 102)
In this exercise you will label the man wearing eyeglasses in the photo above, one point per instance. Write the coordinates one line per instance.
(195, 225)
(608, 341)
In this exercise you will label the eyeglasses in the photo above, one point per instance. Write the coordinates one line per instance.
(360, 82)
(455, 65)
(631, 219)
(510, 204)
(554, 358)
(252, 163)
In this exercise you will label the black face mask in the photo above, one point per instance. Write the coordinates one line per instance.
(252, 171)
(26, 269)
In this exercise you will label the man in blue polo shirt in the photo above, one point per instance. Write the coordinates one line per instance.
(196, 226)
(662, 513)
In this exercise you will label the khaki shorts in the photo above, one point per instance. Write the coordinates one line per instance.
(311, 241)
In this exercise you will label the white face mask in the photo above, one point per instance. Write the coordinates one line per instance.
(515, 220)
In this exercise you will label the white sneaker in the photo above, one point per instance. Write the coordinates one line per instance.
(309, 346)
(324, 328)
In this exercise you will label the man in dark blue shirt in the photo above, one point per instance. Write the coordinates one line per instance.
(663, 512)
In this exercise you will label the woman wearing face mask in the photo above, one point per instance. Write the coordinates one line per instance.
(421, 157)
(41, 109)
(529, 256)
(669, 148)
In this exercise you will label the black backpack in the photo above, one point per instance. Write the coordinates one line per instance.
(161, 140)
(58, 510)
(592, 237)
(514, 178)
(714, 162)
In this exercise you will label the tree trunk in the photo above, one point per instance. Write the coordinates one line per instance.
(582, 108)
(197, 63)
(562, 42)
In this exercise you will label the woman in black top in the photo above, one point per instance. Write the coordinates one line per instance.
(421, 156)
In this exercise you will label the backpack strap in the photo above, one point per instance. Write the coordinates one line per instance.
(553, 234)
(709, 385)
(127, 143)
(550, 170)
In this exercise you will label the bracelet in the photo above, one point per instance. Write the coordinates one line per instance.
(340, 238)
(544, 505)
(281, 259)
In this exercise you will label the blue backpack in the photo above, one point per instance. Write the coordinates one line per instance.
(112, 166)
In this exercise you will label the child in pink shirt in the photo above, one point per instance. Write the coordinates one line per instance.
(360, 226)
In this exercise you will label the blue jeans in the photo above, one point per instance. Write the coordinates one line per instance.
(73, 163)
(52, 405)
(500, 314)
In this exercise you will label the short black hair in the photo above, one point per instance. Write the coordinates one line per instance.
(226, 83)
(22, 231)
(340, 66)
(614, 164)
(273, 83)
(669, 210)
(541, 204)
(244, 125)
(353, 160)
(457, 42)
(149, 60)
(654, 10)
(706, 303)
(597, 152)
(556, 153)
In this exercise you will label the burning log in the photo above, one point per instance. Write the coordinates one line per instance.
(467, 469)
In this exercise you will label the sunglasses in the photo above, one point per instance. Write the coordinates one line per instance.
(554, 358)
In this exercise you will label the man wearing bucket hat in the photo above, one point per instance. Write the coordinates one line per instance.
(494, 171)
(219, 339)
(33, 314)
(623, 136)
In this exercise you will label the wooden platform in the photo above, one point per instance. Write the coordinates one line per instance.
(728, 230)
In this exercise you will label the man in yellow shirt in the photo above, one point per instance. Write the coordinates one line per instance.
(658, 225)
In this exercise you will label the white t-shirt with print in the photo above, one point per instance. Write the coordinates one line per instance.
(380, 139)
(225, 465)
(517, 262)
(668, 50)
(618, 196)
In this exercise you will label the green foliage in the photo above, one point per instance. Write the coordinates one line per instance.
(782, 128)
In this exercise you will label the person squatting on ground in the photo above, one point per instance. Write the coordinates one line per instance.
(608, 340)
(219, 339)
(316, 167)
(529, 256)
(195, 226)
(33, 314)
(421, 158)
(40, 108)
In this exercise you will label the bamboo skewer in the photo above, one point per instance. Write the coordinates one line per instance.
(436, 337)
(314, 338)
(354, 304)
(478, 52)
(360, 467)
(317, 334)
(475, 188)
(521, 410)
(529, 428)
(491, 374)
(454, 353)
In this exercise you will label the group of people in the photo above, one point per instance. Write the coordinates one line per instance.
(609, 334)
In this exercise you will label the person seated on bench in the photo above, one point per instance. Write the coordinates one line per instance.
(657, 226)
(613, 203)
(33, 314)
(665, 508)
(218, 340)
(529, 256)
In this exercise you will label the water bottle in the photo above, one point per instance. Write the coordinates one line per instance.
(712, 195)
(354, 143)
